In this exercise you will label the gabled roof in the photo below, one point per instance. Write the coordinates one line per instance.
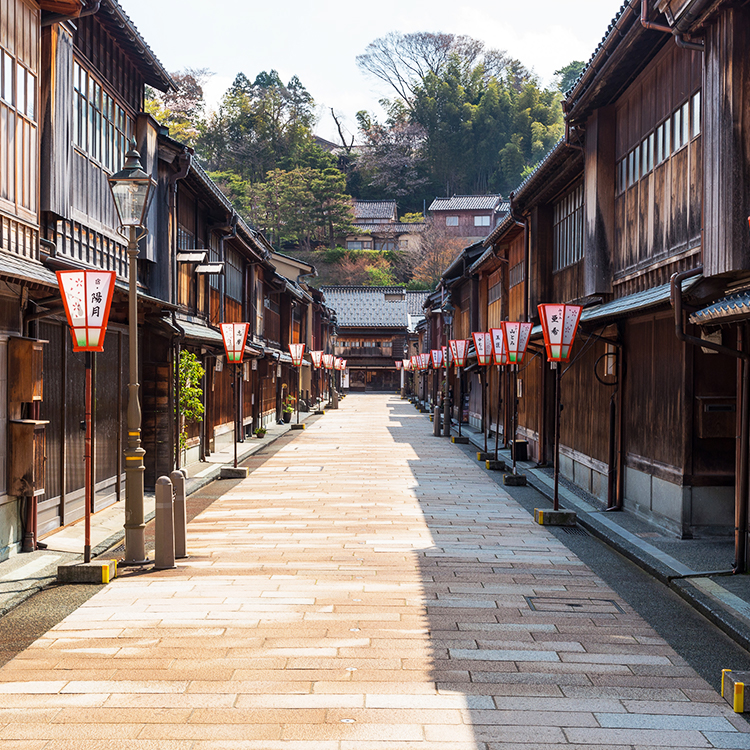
(415, 302)
(368, 306)
(396, 227)
(467, 203)
(119, 24)
(364, 210)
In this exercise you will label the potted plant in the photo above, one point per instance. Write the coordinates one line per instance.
(260, 432)
(288, 409)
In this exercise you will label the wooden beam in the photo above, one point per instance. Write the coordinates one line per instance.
(64, 7)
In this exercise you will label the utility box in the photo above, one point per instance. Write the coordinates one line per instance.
(27, 457)
(519, 450)
(25, 368)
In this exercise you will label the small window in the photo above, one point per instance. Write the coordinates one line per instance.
(6, 81)
(660, 144)
(685, 123)
(451, 221)
(481, 221)
(20, 89)
(667, 138)
(645, 169)
(677, 125)
(696, 114)
(352, 245)
(651, 140)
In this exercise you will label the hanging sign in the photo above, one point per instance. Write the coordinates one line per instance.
(407, 364)
(297, 352)
(328, 361)
(483, 346)
(459, 349)
(447, 356)
(235, 336)
(87, 296)
(317, 358)
(341, 364)
(499, 352)
(516, 340)
(559, 325)
(399, 363)
(424, 360)
(437, 358)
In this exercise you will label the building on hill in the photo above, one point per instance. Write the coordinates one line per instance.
(376, 326)
(469, 216)
(378, 228)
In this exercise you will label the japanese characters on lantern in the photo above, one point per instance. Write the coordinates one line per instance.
(459, 350)
(483, 347)
(516, 340)
(499, 351)
(235, 336)
(559, 325)
(87, 296)
(317, 358)
(437, 357)
(297, 352)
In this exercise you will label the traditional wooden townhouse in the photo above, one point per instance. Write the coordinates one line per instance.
(74, 76)
(649, 182)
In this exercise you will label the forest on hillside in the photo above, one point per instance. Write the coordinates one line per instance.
(461, 119)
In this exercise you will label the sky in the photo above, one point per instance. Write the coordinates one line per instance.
(319, 41)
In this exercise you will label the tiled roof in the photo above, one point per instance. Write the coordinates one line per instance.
(466, 203)
(14, 267)
(395, 227)
(730, 307)
(367, 306)
(415, 302)
(364, 210)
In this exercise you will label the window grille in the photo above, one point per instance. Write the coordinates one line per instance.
(568, 229)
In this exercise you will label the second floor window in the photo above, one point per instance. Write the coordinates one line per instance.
(567, 238)
(451, 221)
(481, 221)
(102, 129)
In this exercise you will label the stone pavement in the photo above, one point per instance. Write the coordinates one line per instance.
(367, 588)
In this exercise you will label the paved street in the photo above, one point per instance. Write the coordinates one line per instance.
(367, 588)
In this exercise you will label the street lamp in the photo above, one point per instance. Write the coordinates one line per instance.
(130, 188)
(483, 347)
(559, 326)
(516, 337)
(459, 348)
(499, 358)
(447, 314)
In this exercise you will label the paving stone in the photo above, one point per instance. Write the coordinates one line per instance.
(361, 595)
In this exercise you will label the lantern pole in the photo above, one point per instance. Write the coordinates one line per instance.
(483, 385)
(88, 491)
(515, 417)
(499, 407)
(460, 399)
(558, 374)
(298, 368)
(135, 526)
(235, 388)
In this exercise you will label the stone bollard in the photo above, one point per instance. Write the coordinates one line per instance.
(436, 431)
(164, 531)
(180, 515)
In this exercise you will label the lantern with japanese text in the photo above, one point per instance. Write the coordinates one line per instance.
(87, 296)
(407, 364)
(317, 358)
(483, 347)
(559, 326)
(340, 364)
(459, 350)
(499, 351)
(447, 356)
(328, 361)
(234, 336)
(516, 340)
(437, 357)
(414, 362)
(297, 352)
(424, 360)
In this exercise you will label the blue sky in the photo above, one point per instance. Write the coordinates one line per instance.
(319, 41)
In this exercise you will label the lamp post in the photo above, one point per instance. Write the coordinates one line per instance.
(235, 336)
(500, 358)
(516, 340)
(297, 352)
(483, 347)
(459, 349)
(87, 296)
(559, 326)
(130, 188)
(317, 362)
(447, 314)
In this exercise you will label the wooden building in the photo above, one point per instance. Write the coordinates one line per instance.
(471, 217)
(650, 181)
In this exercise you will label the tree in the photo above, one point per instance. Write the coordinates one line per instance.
(437, 251)
(568, 75)
(181, 110)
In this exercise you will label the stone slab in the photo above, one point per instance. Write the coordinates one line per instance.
(546, 517)
(97, 571)
(233, 472)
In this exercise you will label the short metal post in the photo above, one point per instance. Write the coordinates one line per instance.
(164, 531)
(436, 421)
(179, 515)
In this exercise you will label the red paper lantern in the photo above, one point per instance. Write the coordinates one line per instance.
(516, 340)
(235, 336)
(483, 346)
(447, 356)
(399, 364)
(460, 350)
(499, 350)
(407, 364)
(87, 296)
(437, 357)
(328, 361)
(340, 364)
(559, 325)
(297, 351)
(317, 358)
(424, 360)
